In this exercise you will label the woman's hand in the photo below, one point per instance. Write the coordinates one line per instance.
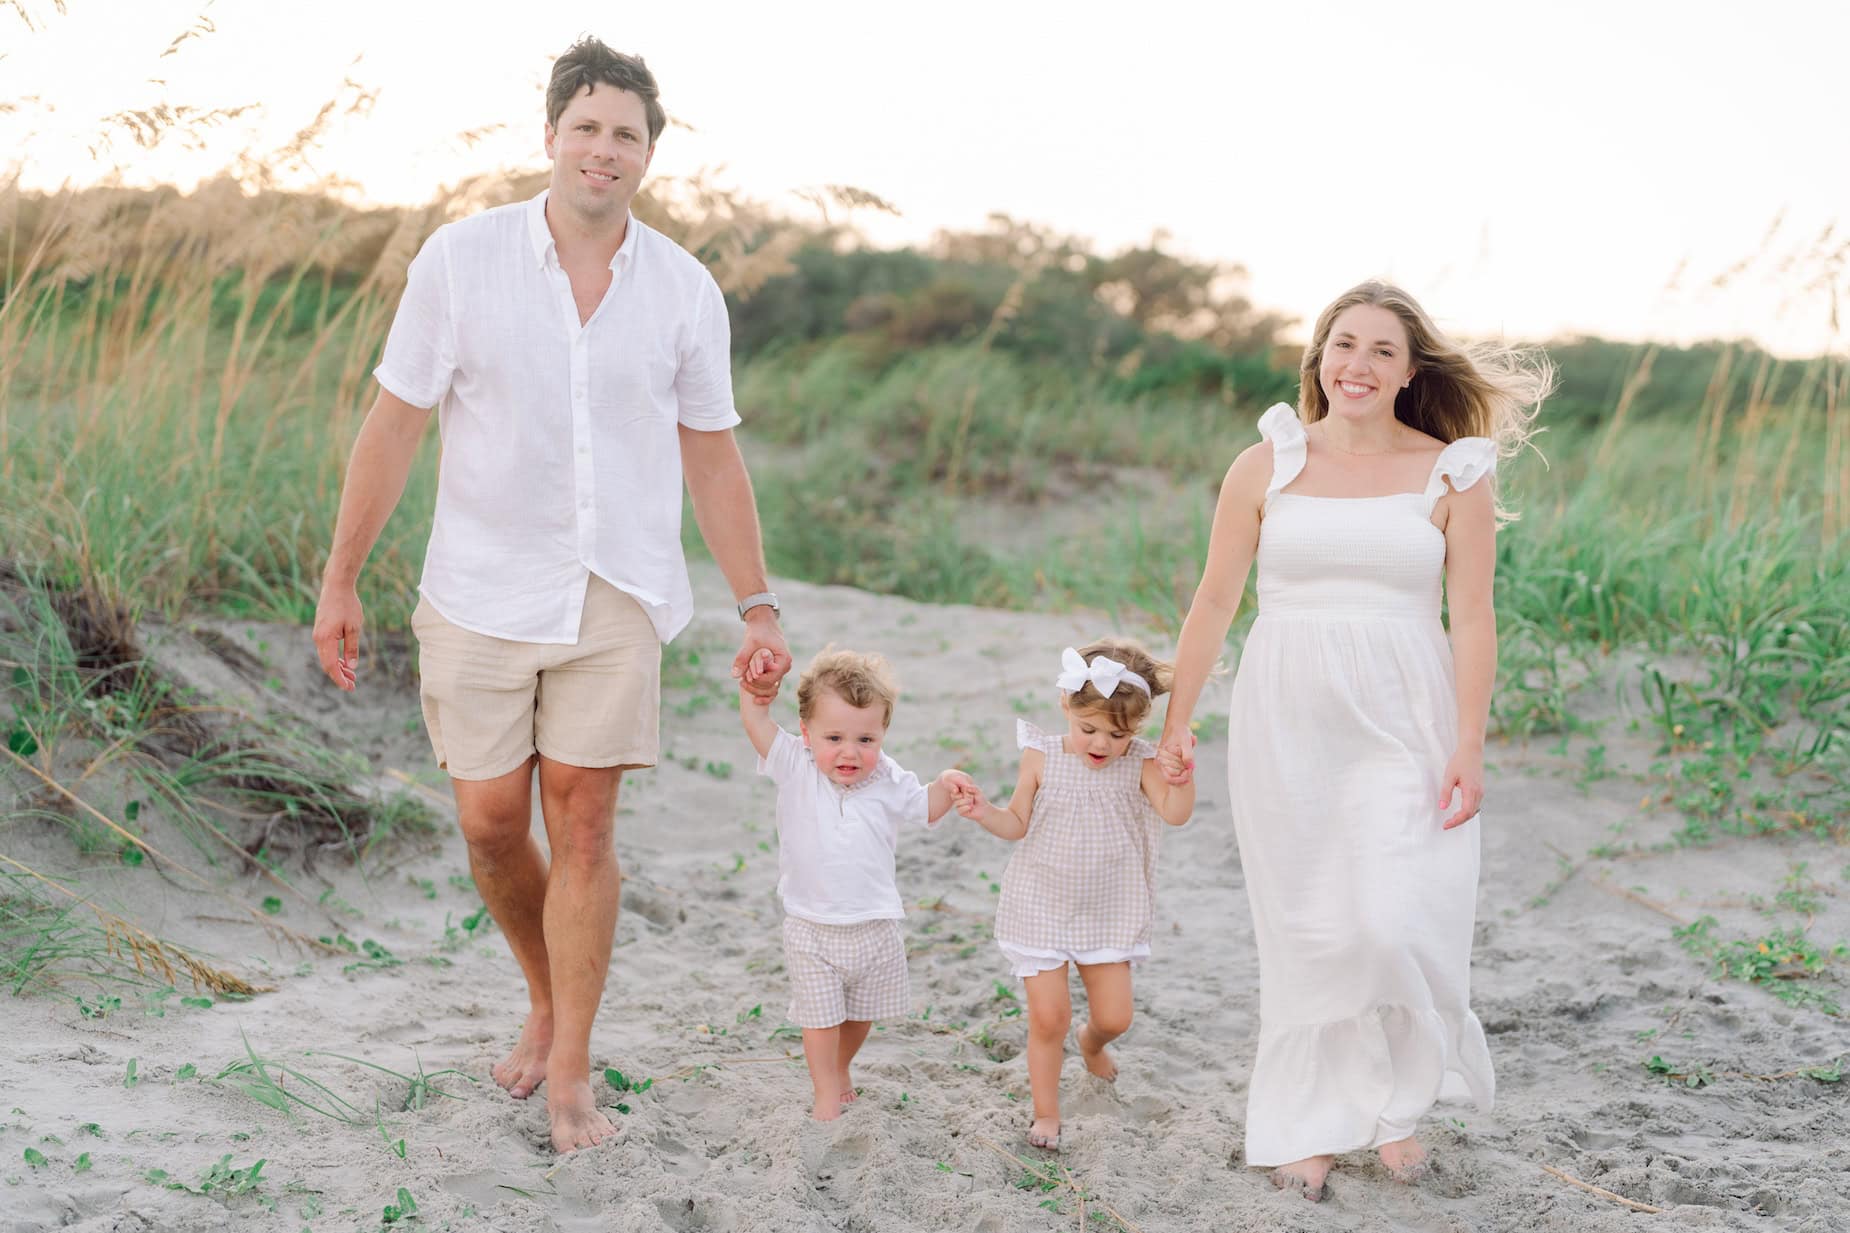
(1464, 774)
(1176, 757)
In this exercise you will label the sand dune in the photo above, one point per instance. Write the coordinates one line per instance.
(1573, 965)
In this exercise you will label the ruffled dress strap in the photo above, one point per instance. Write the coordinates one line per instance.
(1028, 736)
(1282, 427)
(1464, 462)
(1140, 750)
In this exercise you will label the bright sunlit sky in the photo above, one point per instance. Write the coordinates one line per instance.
(1524, 169)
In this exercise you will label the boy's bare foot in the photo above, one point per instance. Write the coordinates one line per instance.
(1306, 1177)
(524, 1068)
(1405, 1159)
(1098, 1061)
(577, 1122)
(1045, 1133)
(826, 1108)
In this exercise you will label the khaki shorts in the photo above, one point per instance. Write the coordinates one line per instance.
(491, 703)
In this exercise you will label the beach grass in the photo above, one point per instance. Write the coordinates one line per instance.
(181, 379)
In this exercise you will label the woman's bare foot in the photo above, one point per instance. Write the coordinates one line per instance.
(524, 1068)
(1305, 1176)
(826, 1108)
(576, 1120)
(1098, 1061)
(1045, 1132)
(1405, 1159)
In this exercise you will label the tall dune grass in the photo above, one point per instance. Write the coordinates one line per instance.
(181, 378)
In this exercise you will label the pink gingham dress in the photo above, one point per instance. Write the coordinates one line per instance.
(1081, 885)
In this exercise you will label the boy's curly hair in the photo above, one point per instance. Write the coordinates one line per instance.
(858, 678)
(1127, 707)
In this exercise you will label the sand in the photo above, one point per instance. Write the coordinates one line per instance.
(1575, 962)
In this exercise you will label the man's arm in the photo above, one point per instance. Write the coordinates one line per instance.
(376, 474)
(728, 517)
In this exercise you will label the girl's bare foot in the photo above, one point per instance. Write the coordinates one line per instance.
(576, 1120)
(1305, 1176)
(1405, 1159)
(1045, 1132)
(1098, 1061)
(524, 1068)
(847, 1095)
(826, 1108)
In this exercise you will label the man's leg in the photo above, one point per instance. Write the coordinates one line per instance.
(496, 816)
(582, 889)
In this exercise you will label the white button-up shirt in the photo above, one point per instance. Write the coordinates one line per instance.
(836, 846)
(561, 455)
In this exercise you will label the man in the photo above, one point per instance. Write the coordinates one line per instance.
(581, 364)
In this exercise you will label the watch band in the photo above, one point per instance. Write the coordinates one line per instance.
(760, 600)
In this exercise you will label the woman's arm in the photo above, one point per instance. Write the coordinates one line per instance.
(1470, 571)
(1231, 545)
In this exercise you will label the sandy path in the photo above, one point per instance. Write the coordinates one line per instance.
(1568, 975)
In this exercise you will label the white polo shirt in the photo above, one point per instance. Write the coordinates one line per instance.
(835, 845)
(561, 456)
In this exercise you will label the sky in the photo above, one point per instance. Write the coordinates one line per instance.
(1632, 169)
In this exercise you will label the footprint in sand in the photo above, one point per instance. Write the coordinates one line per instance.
(651, 905)
(677, 1157)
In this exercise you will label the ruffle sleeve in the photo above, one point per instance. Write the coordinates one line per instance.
(1281, 426)
(1464, 462)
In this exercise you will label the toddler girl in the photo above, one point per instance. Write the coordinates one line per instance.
(1087, 808)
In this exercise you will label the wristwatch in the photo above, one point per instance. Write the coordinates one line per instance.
(760, 600)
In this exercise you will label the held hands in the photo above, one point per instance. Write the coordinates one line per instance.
(966, 797)
(761, 677)
(1465, 775)
(761, 663)
(1176, 759)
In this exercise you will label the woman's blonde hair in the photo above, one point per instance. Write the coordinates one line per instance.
(858, 678)
(1128, 706)
(1458, 390)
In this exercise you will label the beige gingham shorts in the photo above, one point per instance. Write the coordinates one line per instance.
(842, 972)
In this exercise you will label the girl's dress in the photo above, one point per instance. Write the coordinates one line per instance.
(1343, 718)
(1081, 884)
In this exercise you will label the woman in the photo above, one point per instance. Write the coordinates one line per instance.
(1354, 725)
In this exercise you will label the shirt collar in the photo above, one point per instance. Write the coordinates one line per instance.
(544, 247)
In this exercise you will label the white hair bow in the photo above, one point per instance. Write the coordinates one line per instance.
(1104, 674)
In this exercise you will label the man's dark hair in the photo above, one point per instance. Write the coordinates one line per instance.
(588, 62)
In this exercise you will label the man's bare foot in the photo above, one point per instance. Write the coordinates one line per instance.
(1045, 1133)
(1405, 1159)
(1098, 1061)
(1305, 1176)
(524, 1068)
(826, 1108)
(577, 1122)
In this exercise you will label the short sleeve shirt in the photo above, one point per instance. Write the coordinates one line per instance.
(836, 846)
(561, 444)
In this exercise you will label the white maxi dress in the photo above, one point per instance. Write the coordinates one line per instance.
(1343, 718)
